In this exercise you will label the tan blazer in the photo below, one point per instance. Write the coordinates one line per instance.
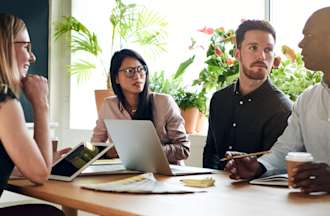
(167, 119)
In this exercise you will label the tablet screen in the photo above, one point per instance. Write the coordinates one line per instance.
(76, 160)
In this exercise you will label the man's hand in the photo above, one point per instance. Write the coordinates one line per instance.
(243, 168)
(312, 177)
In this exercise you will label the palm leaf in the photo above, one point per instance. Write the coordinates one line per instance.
(134, 24)
(82, 39)
(148, 31)
(81, 69)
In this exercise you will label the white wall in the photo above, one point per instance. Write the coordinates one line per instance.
(196, 154)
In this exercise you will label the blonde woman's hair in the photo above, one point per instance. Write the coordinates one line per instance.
(10, 26)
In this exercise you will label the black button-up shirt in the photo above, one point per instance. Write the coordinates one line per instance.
(248, 123)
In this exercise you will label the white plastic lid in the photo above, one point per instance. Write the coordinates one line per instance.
(299, 156)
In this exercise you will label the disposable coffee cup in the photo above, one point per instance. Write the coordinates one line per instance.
(293, 159)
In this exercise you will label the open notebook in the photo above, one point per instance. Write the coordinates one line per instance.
(274, 180)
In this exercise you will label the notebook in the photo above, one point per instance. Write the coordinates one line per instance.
(274, 180)
(139, 148)
(80, 157)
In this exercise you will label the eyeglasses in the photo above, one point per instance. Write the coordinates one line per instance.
(27, 43)
(131, 71)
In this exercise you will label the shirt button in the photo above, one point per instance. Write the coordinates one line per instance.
(249, 99)
(241, 102)
(328, 119)
(234, 124)
(230, 147)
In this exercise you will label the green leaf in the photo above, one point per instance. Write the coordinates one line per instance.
(81, 69)
(82, 39)
(183, 66)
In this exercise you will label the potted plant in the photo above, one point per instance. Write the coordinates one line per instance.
(131, 23)
(192, 104)
(221, 69)
(291, 76)
(161, 84)
(193, 109)
(221, 66)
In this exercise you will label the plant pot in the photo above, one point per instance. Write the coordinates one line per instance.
(100, 95)
(190, 116)
(201, 121)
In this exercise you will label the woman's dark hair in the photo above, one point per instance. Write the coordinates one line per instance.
(144, 107)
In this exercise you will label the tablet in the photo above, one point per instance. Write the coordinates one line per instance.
(80, 157)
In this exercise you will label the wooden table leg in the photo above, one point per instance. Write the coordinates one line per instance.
(69, 211)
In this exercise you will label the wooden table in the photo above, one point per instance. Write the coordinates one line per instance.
(226, 198)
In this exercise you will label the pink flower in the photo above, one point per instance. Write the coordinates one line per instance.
(218, 52)
(206, 30)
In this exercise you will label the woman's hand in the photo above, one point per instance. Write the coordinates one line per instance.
(35, 88)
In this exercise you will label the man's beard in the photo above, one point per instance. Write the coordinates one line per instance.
(254, 75)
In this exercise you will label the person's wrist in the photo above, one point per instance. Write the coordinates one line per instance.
(40, 106)
(41, 109)
(260, 170)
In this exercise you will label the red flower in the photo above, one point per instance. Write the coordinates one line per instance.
(206, 30)
(218, 52)
(229, 61)
(277, 62)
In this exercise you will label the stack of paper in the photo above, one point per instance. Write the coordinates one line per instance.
(145, 183)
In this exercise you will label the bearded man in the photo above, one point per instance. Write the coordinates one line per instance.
(250, 114)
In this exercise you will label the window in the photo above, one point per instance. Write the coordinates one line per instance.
(289, 17)
(184, 18)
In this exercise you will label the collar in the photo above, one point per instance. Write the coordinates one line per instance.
(325, 85)
(264, 89)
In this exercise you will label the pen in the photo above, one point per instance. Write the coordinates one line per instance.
(244, 155)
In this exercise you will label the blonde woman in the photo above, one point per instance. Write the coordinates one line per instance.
(31, 156)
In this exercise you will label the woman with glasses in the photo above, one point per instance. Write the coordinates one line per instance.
(130, 82)
(31, 155)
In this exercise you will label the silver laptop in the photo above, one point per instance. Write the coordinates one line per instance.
(107, 169)
(139, 148)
